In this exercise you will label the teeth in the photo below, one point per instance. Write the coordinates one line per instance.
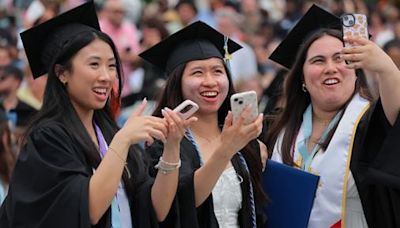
(331, 81)
(209, 94)
(100, 90)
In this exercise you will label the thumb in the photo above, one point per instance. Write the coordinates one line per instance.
(139, 111)
(228, 120)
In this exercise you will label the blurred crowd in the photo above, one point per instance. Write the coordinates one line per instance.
(135, 25)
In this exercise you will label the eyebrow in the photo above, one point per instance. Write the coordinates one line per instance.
(98, 58)
(322, 56)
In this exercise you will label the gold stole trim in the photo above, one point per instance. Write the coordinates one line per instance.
(346, 175)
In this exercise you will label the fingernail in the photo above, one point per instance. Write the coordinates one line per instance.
(163, 112)
(166, 108)
(144, 100)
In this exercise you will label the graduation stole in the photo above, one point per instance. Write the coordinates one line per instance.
(333, 166)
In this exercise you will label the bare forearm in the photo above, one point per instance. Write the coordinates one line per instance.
(207, 176)
(165, 185)
(104, 183)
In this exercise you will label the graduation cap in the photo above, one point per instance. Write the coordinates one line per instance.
(315, 18)
(43, 42)
(196, 41)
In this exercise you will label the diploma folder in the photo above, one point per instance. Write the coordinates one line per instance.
(291, 194)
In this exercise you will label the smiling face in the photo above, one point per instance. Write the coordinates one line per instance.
(93, 73)
(328, 81)
(206, 83)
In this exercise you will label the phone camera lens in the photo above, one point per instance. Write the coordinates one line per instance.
(240, 102)
(235, 99)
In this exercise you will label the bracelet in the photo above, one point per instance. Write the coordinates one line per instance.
(171, 163)
(124, 161)
(167, 167)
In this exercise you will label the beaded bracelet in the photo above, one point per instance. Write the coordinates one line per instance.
(167, 167)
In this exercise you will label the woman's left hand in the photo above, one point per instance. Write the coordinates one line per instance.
(176, 126)
(367, 55)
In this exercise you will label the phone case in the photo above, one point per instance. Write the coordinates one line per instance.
(354, 25)
(240, 100)
(186, 109)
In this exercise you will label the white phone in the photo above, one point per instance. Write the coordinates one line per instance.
(239, 101)
(186, 109)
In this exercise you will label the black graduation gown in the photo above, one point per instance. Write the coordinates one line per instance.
(203, 216)
(49, 186)
(375, 165)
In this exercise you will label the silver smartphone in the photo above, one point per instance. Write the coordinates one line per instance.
(239, 101)
(186, 109)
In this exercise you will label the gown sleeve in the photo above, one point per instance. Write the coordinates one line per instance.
(142, 210)
(49, 187)
(375, 166)
(184, 212)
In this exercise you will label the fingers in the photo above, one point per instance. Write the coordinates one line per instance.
(189, 121)
(356, 40)
(139, 111)
(243, 116)
(158, 134)
(228, 120)
(175, 123)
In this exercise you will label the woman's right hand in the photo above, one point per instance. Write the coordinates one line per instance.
(237, 135)
(139, 128)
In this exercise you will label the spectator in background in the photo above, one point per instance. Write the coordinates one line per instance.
(378, 28)
(392, 48)
(243, 65)
(148, 79)
(18, 111)
(31, 92)
(5, 56)
(125, 36)
(187, 11)
(7, 154)
(154, 31)
(40, 11)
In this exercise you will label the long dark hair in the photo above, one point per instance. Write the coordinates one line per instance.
(57, 105)
(296, 101)
(172, 96)
(7, 155)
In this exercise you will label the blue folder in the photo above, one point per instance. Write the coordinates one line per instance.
(291, 194)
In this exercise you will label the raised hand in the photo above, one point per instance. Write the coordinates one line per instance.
(367, 55)
(176, 126)
(139, 128)
(236, 135)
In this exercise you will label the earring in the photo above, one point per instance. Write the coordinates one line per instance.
(303, 87)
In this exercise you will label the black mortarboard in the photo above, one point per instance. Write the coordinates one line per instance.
(315, 18)
(43, 42)
(197, 41)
